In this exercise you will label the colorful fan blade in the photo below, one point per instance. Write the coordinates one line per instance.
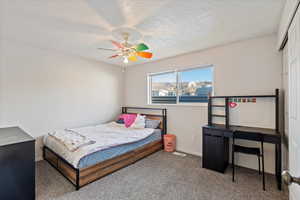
(141, 47)
(132, 58)
(114, 56)
(144, 54)
(117, 44)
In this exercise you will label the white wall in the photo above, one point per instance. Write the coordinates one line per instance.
(43, 90)
(246, 67)
(285, 108)
(286, 18)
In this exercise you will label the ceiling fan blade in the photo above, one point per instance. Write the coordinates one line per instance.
(141, 47)
(144, 54)
(114, 56)
(132, 58)
(117, 44)
(107, 49)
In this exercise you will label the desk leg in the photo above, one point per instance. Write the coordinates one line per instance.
(278, 165)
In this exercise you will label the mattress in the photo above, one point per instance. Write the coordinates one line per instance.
(112, 152)
(104, 136)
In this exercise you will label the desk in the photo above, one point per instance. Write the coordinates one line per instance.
(216, 145)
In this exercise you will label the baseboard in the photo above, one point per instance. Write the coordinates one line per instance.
(38, 158)
(190, 152)
(39, 148)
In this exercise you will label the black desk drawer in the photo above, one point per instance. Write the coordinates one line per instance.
(214, 132)
(248, 136)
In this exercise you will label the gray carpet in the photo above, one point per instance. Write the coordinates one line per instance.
(160, 176)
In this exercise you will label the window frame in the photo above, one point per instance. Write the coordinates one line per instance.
(177, 71)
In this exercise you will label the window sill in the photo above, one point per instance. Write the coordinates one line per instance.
(180, 105)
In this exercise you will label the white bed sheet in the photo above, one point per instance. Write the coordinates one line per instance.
(105, 136)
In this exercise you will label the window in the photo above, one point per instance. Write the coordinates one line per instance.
(185, 86)
(164, 88)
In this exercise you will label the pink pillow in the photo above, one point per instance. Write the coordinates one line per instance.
(128, 119)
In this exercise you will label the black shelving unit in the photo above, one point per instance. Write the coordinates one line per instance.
(212, 115)
(211, 105)
(221, 106)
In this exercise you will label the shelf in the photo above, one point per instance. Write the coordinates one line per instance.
(218, 115)
(223, 103)
(247, 96)
(246, 129)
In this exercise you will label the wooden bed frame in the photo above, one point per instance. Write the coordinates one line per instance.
(81, 177)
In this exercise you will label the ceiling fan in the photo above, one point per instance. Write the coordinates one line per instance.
(129, 52)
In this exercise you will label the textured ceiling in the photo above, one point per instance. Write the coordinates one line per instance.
(169, 27)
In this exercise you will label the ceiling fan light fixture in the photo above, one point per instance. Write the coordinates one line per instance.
(127, 51)
(125, 60)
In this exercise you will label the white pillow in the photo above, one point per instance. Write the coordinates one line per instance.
(139, 122)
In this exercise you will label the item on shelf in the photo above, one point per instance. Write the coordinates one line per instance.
(232, 104)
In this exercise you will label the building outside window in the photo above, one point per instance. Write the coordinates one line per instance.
(182, 86)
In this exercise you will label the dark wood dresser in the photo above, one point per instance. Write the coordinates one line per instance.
(17, 164)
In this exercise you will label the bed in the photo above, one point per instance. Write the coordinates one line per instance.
(102, 162)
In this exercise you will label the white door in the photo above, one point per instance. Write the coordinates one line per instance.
(294, 104)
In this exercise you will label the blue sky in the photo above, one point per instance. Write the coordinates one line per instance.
(200, 74)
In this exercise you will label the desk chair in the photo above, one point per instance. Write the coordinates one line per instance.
(259, 152)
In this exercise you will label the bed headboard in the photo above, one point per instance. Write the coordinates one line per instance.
(161, 115)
